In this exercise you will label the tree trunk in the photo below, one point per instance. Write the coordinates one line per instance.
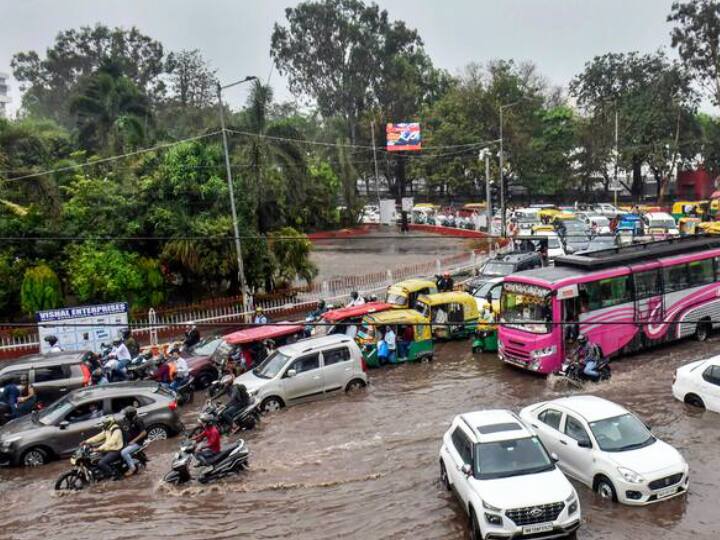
(637, 182)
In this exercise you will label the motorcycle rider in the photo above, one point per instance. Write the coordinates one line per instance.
(131, 343)
(192, 335)
(260, 317)
(445, 283)
(211, 435)
(98, 378)
(54, 345)
(109, 442)
(239, 399)
(355, 299)
(135, 435)
(181, 370)
(589, 354)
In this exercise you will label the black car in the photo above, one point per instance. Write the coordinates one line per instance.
(51, 375)
(57, 430)
(505, 264)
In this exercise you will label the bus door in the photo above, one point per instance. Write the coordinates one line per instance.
(649, 305)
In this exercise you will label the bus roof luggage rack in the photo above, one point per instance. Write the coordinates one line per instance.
(635, 253)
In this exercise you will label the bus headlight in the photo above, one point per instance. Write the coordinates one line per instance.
(542, 353)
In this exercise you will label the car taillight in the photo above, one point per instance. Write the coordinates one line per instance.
(86, 374)
(172, 405)
(363, 364)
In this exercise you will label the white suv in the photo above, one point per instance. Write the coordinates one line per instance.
(306, 370)
(506, 481)
(607, 448)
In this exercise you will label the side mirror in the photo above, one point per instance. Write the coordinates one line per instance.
(466, 469)
(554, 457)
(64, 424)
(649, 427)
(290, 373)
(585, 443)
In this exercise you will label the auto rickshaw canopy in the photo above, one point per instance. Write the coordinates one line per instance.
(401, 317)
(261, 333)
(352, 312)
(466, 300)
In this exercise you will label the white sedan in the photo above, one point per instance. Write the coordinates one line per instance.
(698, 384)
(607, 448)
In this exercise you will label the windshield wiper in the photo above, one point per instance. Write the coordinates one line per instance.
(635, 446)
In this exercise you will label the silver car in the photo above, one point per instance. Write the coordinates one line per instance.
(306, 370)
(58, 430)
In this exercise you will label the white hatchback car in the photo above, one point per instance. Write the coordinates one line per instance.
(607, 448)
(505, 479)
(305, 370)
(698, 384)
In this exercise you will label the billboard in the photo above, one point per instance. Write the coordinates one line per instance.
(82, 328)
(403, 137)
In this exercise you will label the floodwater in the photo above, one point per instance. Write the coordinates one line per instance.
(373, 252)
(365, 465)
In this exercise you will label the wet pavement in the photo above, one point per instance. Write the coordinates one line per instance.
(365, 465)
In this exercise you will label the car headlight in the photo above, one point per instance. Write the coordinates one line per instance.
(490, 507)
(541, 353)
(493, 519)
(572, 503)
(630, 475)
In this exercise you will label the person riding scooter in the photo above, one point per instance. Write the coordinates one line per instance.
(590, 356)
(211, 435)
(52, 341)
(239, 399)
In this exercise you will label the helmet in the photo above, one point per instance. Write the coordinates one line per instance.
(52, 340)
(354, 294)
(446, 274)
(107, 422)
(206, 418)
(582, 338)
(321, 304)
(117, 342)
(130, 412)
(258, 309)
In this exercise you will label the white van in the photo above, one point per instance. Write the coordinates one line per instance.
(305, 370)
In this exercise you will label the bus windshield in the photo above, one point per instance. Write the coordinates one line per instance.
(526, 307)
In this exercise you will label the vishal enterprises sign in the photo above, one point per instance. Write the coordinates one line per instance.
(401, 137)
(82, 328)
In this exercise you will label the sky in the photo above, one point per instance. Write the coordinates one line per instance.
(559, 36)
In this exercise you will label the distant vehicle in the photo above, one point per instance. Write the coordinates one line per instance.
(599, 243)
(608, 210)
(309, 369)
(505, 264)
(606, 447)
(370, 214)
(595, 223)
(555, 246)
(51, 375)
(660, 224)
(505, 479)
(58, 429)
(573, 233)
(526, 219)
(698, 384)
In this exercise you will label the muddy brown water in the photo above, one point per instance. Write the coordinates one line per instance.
(365, 465)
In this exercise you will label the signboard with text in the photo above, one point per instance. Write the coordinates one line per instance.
(401, 137)
(82, 328)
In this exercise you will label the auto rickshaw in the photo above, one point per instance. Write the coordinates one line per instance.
(412, 331)
(543, 228)
(710, 227)
(688, 225)
(452, 314)
(250, 341)
(346, 320)
(546, 215)
(683, 209)
(489, 311)
(404, 294)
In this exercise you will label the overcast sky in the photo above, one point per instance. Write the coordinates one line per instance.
(234, 35)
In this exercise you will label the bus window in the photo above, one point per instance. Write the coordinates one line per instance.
(675, 277)
(607, 292)
(648, 284)
(701, 273)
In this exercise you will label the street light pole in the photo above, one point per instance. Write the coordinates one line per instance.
(377, 176)
(236, 231)
(503, 225)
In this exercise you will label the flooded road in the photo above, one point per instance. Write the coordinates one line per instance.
(365, 465)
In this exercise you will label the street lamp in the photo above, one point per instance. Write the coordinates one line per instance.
(236, 232)
(502, 156)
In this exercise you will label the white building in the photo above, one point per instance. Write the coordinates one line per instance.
(4, 98)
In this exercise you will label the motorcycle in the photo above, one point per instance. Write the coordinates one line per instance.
(231, 460)
(574, 371)
(141, 367)
(245, 419)
(184, 393)
(86, 471)
(221, 386)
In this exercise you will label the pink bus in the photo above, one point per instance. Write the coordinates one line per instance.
(622, 299)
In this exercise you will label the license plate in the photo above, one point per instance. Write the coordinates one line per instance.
(666, 492)
(538, 528)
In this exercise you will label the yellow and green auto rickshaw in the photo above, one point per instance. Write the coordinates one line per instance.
(451, 314)
(547, 215)
(412, 331)
(404, 294)
(683, 209)
(688, 225)
(487, 298)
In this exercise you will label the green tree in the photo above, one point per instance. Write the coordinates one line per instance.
(102, 273)
(10, 276)
(291, 251)
(111, 113)
(78, 53)
(40, 289)
(696, 36)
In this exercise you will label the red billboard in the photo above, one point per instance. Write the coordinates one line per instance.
(403, 137)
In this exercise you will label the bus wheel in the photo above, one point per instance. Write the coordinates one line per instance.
(702, 330)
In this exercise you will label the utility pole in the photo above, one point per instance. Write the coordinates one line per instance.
(617, 153)
(377, 176)
(485, 153)
(236, 231)
(503, 225)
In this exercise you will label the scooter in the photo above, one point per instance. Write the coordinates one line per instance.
(232, 460)
(220, 387)
(85, 469)
(574, 371)
(245, 419)
(185, 394)
(140, 367)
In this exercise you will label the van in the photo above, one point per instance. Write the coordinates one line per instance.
(306, 370)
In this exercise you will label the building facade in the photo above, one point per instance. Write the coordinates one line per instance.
(4, 98)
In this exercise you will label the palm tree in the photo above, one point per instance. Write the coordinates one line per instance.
(111, 113)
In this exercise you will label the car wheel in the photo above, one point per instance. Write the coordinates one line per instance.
(475, 532)
(355, 385)
(605, 489)
(34, 457)
(702, 330)
(695, 401)
(444, 478)
(157, 432)
(271, 404)
(203, 381)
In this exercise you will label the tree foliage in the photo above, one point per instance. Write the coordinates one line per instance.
(40, 289)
